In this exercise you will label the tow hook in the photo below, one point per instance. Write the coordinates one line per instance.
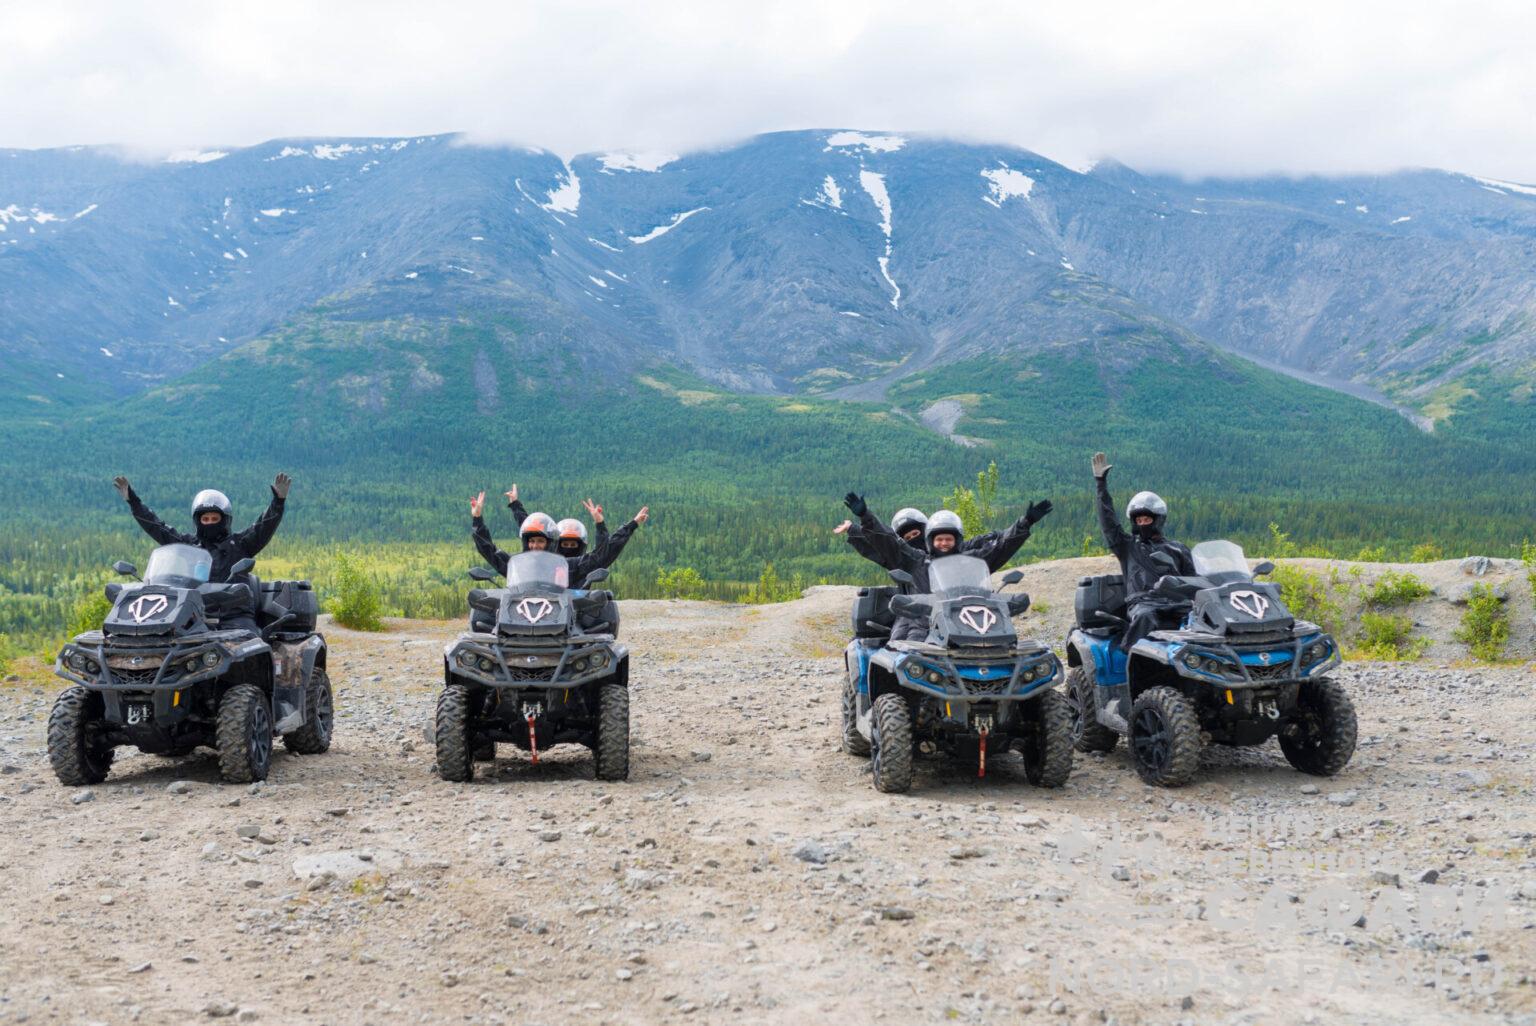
(983, 728)
(531, 711)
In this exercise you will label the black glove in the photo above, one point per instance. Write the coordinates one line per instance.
(1037, 512)
(855, 502)
(123, 488)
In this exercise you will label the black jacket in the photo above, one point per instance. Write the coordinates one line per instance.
(226, 552)
(600, 555)
(893, 553)
(605, 546)
(1135, 553)
(859, 539)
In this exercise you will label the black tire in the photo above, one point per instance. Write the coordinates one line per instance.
(1325, 729)
(891, 750)
(314, 736)
(854, 743)
(1047, 742)
(77, 757)
(451, 733)
(243, 732)
(1088, 734)
(611, 751)
(1165, 738)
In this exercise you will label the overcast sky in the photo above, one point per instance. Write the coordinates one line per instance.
(1232, 86)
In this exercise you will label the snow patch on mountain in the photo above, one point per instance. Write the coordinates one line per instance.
(82, 213)
(277, 212)
(829, 196)
(860, 141)
(36, 215)
(195, 156)
(327, 152)
(635, 161)
(660, 230)
(874, 185)
(565, 197)
(1498, 186)
(1004, 183)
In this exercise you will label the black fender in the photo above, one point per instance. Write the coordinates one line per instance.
(295, 667)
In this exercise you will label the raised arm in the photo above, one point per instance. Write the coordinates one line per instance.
(1010, 541)
(519, 511)
(609, 546)
(255, 538)
(482, 536)
(158, 529)
(885, 546)
(1115, 536)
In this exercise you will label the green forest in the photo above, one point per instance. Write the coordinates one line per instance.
(388, 429)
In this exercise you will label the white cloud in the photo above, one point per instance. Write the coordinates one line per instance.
(1187, 86)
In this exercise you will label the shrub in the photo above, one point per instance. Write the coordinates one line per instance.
(1395, 589)
(356, 602)
(1307, 596)
(771, 588)
(1528, 557)
(89, 611)
(681, 582)
(1389, 637)
(978, 508)
(1484, 626)
(1426, 552)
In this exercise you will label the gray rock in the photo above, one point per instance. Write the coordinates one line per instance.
(1429, 876)
(81, 797)
(811, 851)
(250, 831)
(179, 787)
(896, 913)
(1475, 566)
(1343, 798)
(549, 835)
(1309, 789)
(220, 1009)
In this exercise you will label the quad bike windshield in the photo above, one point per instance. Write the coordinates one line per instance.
(1221, 562)
(954, 573)
(527, 568)
(179, 566)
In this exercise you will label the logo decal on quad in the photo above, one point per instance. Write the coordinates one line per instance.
(146, 606)
(1250, 602)
(978, 618)
(534, 609)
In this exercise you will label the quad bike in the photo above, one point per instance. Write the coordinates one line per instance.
(539, 666)
(161, 676)
(972, 683)
(1237, 670)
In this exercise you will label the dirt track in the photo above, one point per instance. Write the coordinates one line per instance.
(748, 872)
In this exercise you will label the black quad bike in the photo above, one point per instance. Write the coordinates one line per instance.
(539, 666)
(971, 683)
(161, 676)
(1234, 668)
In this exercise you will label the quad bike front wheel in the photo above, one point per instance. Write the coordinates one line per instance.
(73, 751)
(1047, 742)
(611, 752)
(854, 743)
(243, 731)
(1088, 734)
(451, 733)
(314, 736)
(1321, 736)
(891, 750)
(1165, 738)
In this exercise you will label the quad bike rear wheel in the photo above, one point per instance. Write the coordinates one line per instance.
(314, 736)
(243, 730)
(1165, 738)
(1320, 739)
(891, 750)
(1088, 734)
(854, 743)
(77, 757)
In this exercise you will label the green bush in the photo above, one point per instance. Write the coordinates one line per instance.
(771, 588)
(1395, 589)
(89, 611)
(1307, 596)
(977, 509)
(1426, 552)
(355, 602)
(681, 582)
(1528, 557)
(1484, 626)
(1388, 637)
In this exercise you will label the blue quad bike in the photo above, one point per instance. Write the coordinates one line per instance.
(970, 684)
(1237, 670)
(161, 675)
(539, 666)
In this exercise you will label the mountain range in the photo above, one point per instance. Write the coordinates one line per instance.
(831, 262)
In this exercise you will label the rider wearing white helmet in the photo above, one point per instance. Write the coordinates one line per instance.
(1148, 514)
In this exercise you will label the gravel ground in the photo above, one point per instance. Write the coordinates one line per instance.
(748, 871)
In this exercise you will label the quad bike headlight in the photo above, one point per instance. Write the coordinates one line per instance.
(579, 664)
(914, 671)
(1192, 661)
(1318, 650)
(90, 666)
(485, 664)
(210, 658)
(601, 659)
(467, 660)
(935, 677)
(194, 664)
(76, 660)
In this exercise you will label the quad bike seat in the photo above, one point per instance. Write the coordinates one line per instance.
(1098, 601)
(873, 606)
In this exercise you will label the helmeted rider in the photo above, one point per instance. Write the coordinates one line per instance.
(944, 535)
(212, 520)
(540, 532)
(910, 524)
(607, 547)
(1147, 514)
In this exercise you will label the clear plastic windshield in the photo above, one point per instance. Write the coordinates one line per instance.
(1220, 557)
(177, 564)
(538, 568)
(950, 572)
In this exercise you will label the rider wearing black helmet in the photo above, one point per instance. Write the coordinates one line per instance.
(212, 517)
(1147, 513)
(944, 535)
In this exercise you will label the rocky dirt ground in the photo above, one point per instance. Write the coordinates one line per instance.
(748, 872)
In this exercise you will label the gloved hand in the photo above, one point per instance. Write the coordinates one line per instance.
(123, 487)
(1037, 512)
(1101, 465)
(477, 505)
(855, 502)
(280, 485)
